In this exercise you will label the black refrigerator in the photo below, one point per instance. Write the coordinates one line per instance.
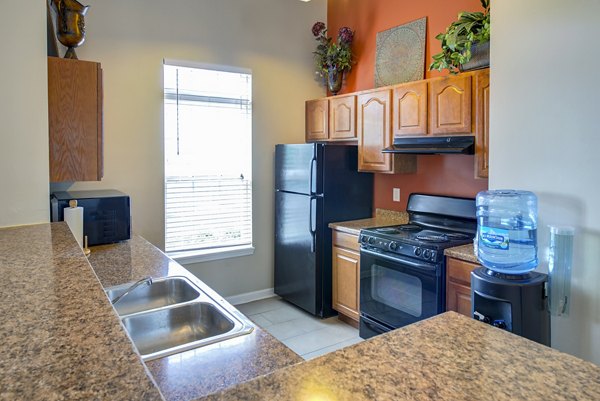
(315, 184)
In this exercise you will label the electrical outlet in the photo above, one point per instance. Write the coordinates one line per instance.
(396, 195)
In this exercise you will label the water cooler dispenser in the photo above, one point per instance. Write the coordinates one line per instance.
(506, 292)
(517, 303)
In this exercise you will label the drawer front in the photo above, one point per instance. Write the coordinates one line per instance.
(345, 240)
(460, 271)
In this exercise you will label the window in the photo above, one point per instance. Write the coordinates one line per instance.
(208, 161)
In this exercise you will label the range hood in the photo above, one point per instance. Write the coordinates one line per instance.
(433, 145)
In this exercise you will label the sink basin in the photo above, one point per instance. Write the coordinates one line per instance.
(163, 292)
(175, 314)
(168, 328)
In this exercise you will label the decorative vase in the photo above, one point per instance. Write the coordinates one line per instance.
(334, 80)
(480, 57)
(70, 25)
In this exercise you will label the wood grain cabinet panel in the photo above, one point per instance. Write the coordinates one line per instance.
(410, 109)
(75, 120)
(458, 285)
(458, 298)
(317, 120)
(346, 282)
(482, 122)
(450, 105)
(374, 113)
(342, 118)
(374, 131)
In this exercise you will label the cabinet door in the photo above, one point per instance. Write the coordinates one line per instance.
(317, 120)
(458, 298)
(458, 285)
(342, 118)
(75, 120)
(346, 282)
(482, 123)
(374, 131)
(410, 109)
(450, 105)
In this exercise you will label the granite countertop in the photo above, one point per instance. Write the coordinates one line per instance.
(60, 339)
(447, 357)
(463, 252)
(382, 218)
(201, 371)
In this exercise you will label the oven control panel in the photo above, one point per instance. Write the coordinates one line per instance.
(400, 248)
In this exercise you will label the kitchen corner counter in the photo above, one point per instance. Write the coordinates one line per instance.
(447, 357)
(60, 339)
(382, 218)
(201, 371)
(463, 252)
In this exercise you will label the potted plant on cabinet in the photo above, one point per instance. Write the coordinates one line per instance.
(333, 58)
(466, 43)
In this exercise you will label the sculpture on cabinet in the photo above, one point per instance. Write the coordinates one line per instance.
(70, 24)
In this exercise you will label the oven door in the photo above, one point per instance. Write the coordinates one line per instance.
(396, 290)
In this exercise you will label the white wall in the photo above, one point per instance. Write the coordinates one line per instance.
(131, 38)
(23, 114)
(545, 137)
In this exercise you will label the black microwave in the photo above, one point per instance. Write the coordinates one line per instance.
(106, 213)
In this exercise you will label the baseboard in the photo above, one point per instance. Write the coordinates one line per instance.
(251, 296)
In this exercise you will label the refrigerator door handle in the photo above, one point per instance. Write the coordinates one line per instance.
(312, 190)
(312, 225)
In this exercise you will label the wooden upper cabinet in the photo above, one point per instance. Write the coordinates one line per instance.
(317, 120)
(374, 130)
(450, 105)
(482, 122)
(342, 118)
(410, 109)
(75, 120)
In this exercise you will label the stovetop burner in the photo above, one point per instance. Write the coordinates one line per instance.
(432, 238)
(387, 230)
(409, 227)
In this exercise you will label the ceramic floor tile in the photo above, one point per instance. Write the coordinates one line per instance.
(284, 314)
(292, 328)
(331, 348)
(263, 305)
(316, 340)
(261, 320)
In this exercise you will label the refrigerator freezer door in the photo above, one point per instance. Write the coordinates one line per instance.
(297, 168)
(298, 250)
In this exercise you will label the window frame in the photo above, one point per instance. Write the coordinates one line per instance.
(216, 253)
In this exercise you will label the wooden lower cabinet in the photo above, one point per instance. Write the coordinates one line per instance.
(346, 275)
(458, 298)
(458, 285)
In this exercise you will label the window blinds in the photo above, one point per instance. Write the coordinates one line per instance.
(208, 174)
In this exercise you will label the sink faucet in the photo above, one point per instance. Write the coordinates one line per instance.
(145, 280)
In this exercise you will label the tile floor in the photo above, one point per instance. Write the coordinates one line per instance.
(306, 335)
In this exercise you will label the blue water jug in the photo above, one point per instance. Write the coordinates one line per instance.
(507, 230)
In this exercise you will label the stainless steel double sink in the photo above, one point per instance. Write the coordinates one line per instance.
(173, 315)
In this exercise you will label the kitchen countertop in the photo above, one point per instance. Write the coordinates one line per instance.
(201, 371)
(463, 252)
(382, 218)
(60, 339)
(447, 357)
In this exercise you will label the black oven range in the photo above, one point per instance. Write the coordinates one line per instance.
(403, 269)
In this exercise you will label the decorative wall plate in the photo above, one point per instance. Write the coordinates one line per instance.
(400, 54)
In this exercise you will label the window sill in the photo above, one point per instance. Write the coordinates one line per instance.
(190, 257)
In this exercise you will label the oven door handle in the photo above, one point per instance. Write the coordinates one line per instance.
(400, 259)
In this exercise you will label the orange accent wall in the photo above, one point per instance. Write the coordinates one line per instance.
(445, 175)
